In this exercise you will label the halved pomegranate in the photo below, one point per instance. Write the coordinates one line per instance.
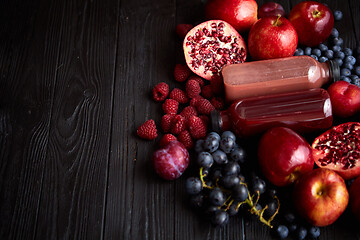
(338, 149)
(211, 45)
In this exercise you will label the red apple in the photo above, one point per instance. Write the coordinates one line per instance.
(241, 14)
(354, 192)
(272, 37)
(271, 9)
(313, 22)
(284, 156)
(345, 98)
(320, 196)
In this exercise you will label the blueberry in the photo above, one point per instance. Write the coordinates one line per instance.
(316, 52)
(220, 157)
(314, 56)
(357, 82)
(323, 47)
(329, 54)
(346, 79)
(289, 217)
(354, 77)
(339, 61)
(307, 51)
(357, 70)
(214, 134)
(282, 231)
(238, 155)
(336, 48)
(339, 54)
(350, 59)
(228, 134)
(301, 233)
(334, 33)
(205, 160)
(293, 227)
(338, 41)
(323, 59)
(227, 144)
(338, 15)
(348, 52)
(345, 72)
(299, 52)
(314, 232)
(348, 66)
(193, 185)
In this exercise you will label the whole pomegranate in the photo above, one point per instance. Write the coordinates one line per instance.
(338, 149)
(171, 161)
(210, 46)
(241, 14)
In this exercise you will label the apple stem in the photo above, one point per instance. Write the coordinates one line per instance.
(276, 23)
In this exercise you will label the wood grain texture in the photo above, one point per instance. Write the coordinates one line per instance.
(75, 83)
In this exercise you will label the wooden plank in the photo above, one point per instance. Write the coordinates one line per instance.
(139, 204)
(28, 64)
(75, 180)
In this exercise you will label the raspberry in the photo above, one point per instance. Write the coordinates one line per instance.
(179, 95)
(193, 101)
(147, 130)
(160, 92)
(170, 106)
(207, 92)
(182, 29)
(204, 106)
(217, 85)
(178, 124)
(193, 88)
(186, 139)
(197, 127)
(198, 79)
(205, 119)
(181, 72)
(166, 139)
(218, 103)
(188, 111)
(166, 121)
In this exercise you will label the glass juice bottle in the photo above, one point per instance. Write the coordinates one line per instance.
(303, 111)
(280, 75)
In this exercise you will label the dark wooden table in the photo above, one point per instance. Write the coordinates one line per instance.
(75, 82)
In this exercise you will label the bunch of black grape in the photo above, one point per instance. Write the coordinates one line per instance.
(220, 189)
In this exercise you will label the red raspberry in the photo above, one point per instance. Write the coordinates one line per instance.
(207, 92)
(189, 111)
(193, 88)
(205, 119)
(182, 29)
(218, 103)
(178, 124)
(217, 85)
(147, 130)
(193, 101)
(186, 139)
(160, 92)
(166, 139)
(181, 72)
(179, 95)
(170, 106)
(198, 79)
(197, 127)
(204, 106)
(166, 121)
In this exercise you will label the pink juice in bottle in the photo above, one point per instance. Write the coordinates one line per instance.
(280, 75)
(303, 111)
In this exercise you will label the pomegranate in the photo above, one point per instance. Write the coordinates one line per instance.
(211, 45)
(338, 149)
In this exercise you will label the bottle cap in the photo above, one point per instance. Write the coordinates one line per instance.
(334, 70)
(216, 121)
